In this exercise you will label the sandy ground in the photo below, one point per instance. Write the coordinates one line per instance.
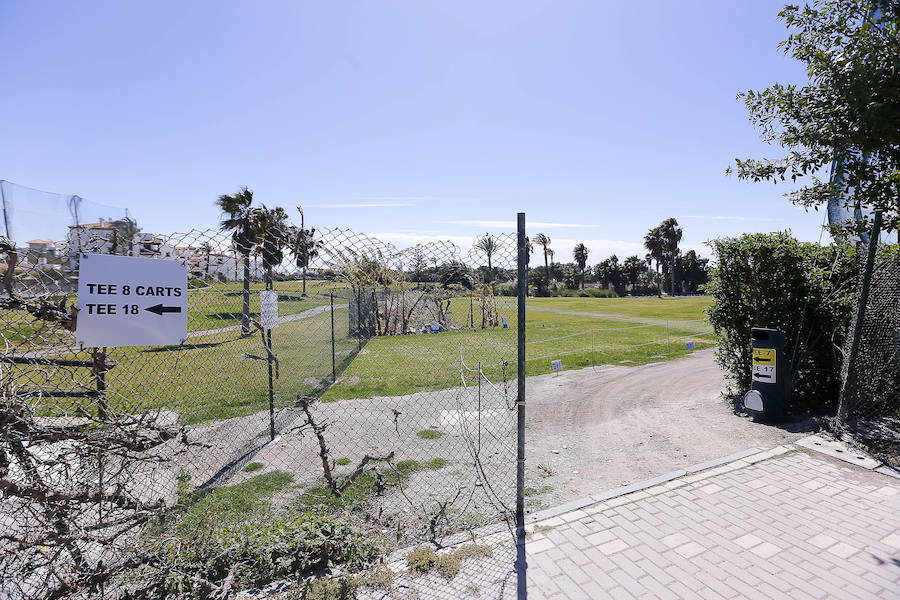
(598, 428)
(587, 430)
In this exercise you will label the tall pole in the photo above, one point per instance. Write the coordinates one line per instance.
(521, 565)
(269, 361)
(271, 387)
(846, 395)
(333, 367)
(305, 247)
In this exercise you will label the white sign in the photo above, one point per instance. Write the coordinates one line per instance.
(764, 361)
(268, 309)
(763, 373)
(131, 301)
(556, 365)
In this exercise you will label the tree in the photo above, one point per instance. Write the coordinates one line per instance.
(270, 225)
(488, 245)
(581, 256)
(632, 268)
(848, 116)
(694, 271)
(655, 245)
(610, 272)
(419, 263)
(123, 232)
(544, 241)
(455, 272)
(303, 245)
(207, 249)
(671, 236)
(240, 217)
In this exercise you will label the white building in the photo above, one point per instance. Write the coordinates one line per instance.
(216, 264)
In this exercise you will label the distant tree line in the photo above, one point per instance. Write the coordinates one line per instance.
(664, 269)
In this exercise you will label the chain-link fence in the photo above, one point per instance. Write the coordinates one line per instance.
(376, 413)
(869, 412)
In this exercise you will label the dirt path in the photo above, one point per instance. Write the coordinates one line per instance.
(621, 317)
(591, 429)
(598, 428)
(295, 317)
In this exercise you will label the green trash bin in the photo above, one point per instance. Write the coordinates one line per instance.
(770, 377)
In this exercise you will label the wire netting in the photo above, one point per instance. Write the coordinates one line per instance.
(871, 375)
(382, 402)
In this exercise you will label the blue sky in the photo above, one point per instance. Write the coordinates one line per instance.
(415, 120)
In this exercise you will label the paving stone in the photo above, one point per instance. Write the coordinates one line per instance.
(765, 550)
(748, 541)
(823, 540)
(843, 550)
(776, 525)
(676, 539)
(690, 549)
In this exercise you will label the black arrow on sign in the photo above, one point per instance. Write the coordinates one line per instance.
(160, 309)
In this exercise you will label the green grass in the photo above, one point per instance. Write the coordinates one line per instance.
(219, 305)
(628, 331)
(254, 466)
(430, 434)
(544, 489)
(365, 486)
(214, 376)
(232, 503)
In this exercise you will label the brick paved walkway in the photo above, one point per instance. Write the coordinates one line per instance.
(779, 524)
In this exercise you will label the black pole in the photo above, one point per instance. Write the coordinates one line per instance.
(844, 401)
(271, 386)
(359, 319)
(521, 565)
(333, 367)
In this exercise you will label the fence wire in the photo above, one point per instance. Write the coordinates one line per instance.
(870, 403)
(377, 415)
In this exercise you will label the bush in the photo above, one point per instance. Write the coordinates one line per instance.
(766, 280)
(212, 532)
(602, 293)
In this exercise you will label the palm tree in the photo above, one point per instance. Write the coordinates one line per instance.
(671, 235)
(544, 242)
(655, 244)
(633, 267)
(207, 249)
(124, 229)
(488, 244)
(270, 225)
(303, 246)
(581, 257)
(240, 218)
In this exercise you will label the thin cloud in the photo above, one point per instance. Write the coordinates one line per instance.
(511, 225)
(731, 218)
(363, 205)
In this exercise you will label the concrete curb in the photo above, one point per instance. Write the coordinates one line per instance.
(638, 486)
(753, 455)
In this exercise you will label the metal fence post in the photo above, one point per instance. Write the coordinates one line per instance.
(271, 386)
(521, 565)
(359, 318)
(845, 397)
(333, 366)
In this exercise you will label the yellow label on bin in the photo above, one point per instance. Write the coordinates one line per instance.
(763, 365)
(764, 356)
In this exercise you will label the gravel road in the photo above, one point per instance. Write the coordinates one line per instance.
(599, 428)
(587, 431)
